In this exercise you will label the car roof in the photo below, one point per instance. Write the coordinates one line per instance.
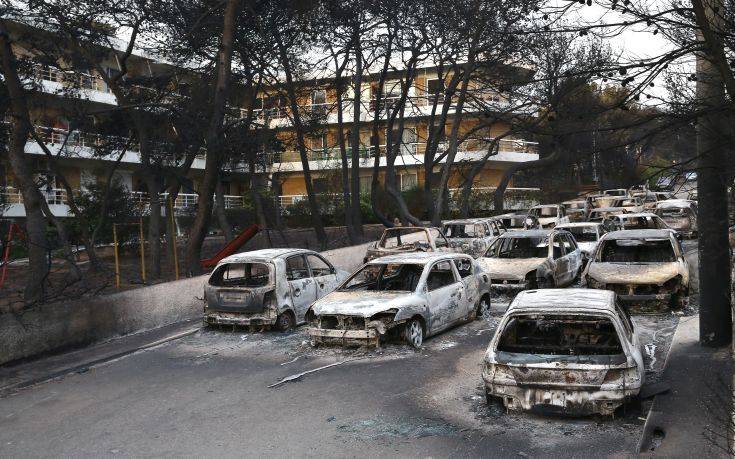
(419, 258)
(639, 234)
(577, 225)
(576, 299)
(608, 209)
(263, 254)
(573, 201)
(674, 203)
(637, 214)
(528, 233)
(464, 220)
(544, 205)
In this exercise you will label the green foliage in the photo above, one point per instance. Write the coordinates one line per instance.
(120, 209)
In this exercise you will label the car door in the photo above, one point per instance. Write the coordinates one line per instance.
(560, 261)
(302, 285)
(445, 294)
(465, 270)
(323, 273)
(574, 255)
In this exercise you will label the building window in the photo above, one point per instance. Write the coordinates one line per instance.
(409, 181)
(321, 184)
(434, 90)
(319, 97)
(366, 184)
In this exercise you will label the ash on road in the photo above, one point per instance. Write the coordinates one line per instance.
(207, 395)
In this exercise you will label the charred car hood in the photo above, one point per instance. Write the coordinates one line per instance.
(622, 273)
(510, 268)
(361, 303)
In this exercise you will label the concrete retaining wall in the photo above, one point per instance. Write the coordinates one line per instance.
(56, 326)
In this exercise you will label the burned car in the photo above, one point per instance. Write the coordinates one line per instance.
(680, 215)
(587, 234)
(570, 351)
(402, 239)
(269, 288)
(532, 258)
(644, 267)
(410, 296)
(632, 205)
(514, 221)
(546, 216)
(644, 220)
(470, 236)
(577, 210)
(601, 214)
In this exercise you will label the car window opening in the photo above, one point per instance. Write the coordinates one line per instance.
(519, 247)
(241, 275)
(560, 335)
(385, 278)
(637, 251)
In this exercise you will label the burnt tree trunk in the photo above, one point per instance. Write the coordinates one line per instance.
(715, 320)
(32, 199)
(214, 141)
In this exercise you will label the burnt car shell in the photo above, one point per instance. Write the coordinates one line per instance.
(239, 302)
(362, 312)
(679, 215)
(406, 239)
(564, 351)
(649, 280)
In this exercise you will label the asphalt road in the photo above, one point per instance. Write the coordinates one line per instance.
(207, 395)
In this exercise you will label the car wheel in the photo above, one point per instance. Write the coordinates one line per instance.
(679, 301)
(483, 307)
(413, 333)
(285, 321)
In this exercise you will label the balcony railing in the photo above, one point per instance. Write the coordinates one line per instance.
(515, 198)
(55, 136)
(184, 200)
(410, 149)
(54, 196)
(140, 199)
(71, 79)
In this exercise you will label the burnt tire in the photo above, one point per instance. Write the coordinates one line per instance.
(285, 321)
(413, 333)
(679, 300)
(483, 308)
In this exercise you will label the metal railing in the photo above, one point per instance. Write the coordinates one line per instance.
(71, 79)
(54, 196)
(55, 136)
(410, 149)
(141, 199)
(514, 197)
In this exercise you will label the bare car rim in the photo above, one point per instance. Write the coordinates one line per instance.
(414, 333)
(483, 309)
(284, 322)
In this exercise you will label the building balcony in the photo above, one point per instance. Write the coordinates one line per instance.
(11, 205)
(65, 144)
(481, 197)
(409, 154)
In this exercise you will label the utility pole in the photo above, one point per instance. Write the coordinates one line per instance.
(715, 314)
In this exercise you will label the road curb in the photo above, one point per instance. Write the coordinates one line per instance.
(653, 414)
(5, 390)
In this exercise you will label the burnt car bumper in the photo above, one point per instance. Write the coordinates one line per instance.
(561, 400)
(368, 336)
(243, 319)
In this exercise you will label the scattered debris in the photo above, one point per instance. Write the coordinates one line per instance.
(297, 376)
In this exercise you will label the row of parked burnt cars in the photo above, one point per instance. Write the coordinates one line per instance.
(568, 349)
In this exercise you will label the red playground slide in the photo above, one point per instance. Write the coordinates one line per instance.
(231, 246)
